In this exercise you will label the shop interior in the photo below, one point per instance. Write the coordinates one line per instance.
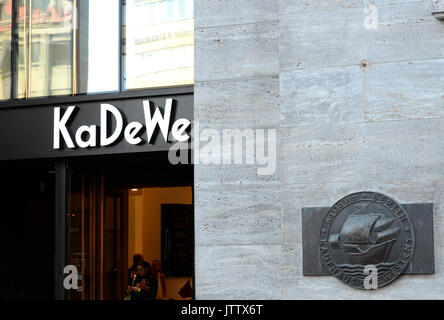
(116, 207)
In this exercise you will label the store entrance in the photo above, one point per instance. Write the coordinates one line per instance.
(122, 207)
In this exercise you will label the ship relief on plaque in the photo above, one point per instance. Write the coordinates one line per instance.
(366, 231)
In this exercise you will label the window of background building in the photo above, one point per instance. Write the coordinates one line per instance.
(69, 47)
(45, 42)
(5, 50)
(99, 59)
(159, 43)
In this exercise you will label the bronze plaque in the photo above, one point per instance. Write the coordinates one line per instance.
(362, 231)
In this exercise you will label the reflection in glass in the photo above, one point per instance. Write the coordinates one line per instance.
(45, 48)
(98, 46)
(159, 43)
(82, 205)
(5, 49)
(69, 47)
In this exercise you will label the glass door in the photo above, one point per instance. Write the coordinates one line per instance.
(114, 245)
(95, 236)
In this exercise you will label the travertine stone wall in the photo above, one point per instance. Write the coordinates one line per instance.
(355, 108)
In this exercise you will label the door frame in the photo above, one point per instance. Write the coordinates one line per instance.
(60, 228)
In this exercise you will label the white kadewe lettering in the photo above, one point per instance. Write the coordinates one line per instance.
(60, 127)
(86, 136)
(104, 110)
(157, 119)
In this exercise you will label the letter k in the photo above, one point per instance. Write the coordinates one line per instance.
(60, 127)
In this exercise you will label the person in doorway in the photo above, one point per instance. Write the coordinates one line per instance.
(132, 271)
(160, 278)
(186, 292)
(145, 285)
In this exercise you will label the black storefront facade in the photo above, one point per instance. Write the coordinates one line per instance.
(43, 180)
(72, 164)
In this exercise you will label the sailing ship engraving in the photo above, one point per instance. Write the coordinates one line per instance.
(366, 238)
(362, 231)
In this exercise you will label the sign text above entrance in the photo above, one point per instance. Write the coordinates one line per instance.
(91, 135)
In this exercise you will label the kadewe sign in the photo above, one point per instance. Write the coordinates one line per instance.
(132, 132)
(122, 125)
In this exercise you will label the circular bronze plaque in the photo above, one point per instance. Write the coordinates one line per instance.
(366, 230)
